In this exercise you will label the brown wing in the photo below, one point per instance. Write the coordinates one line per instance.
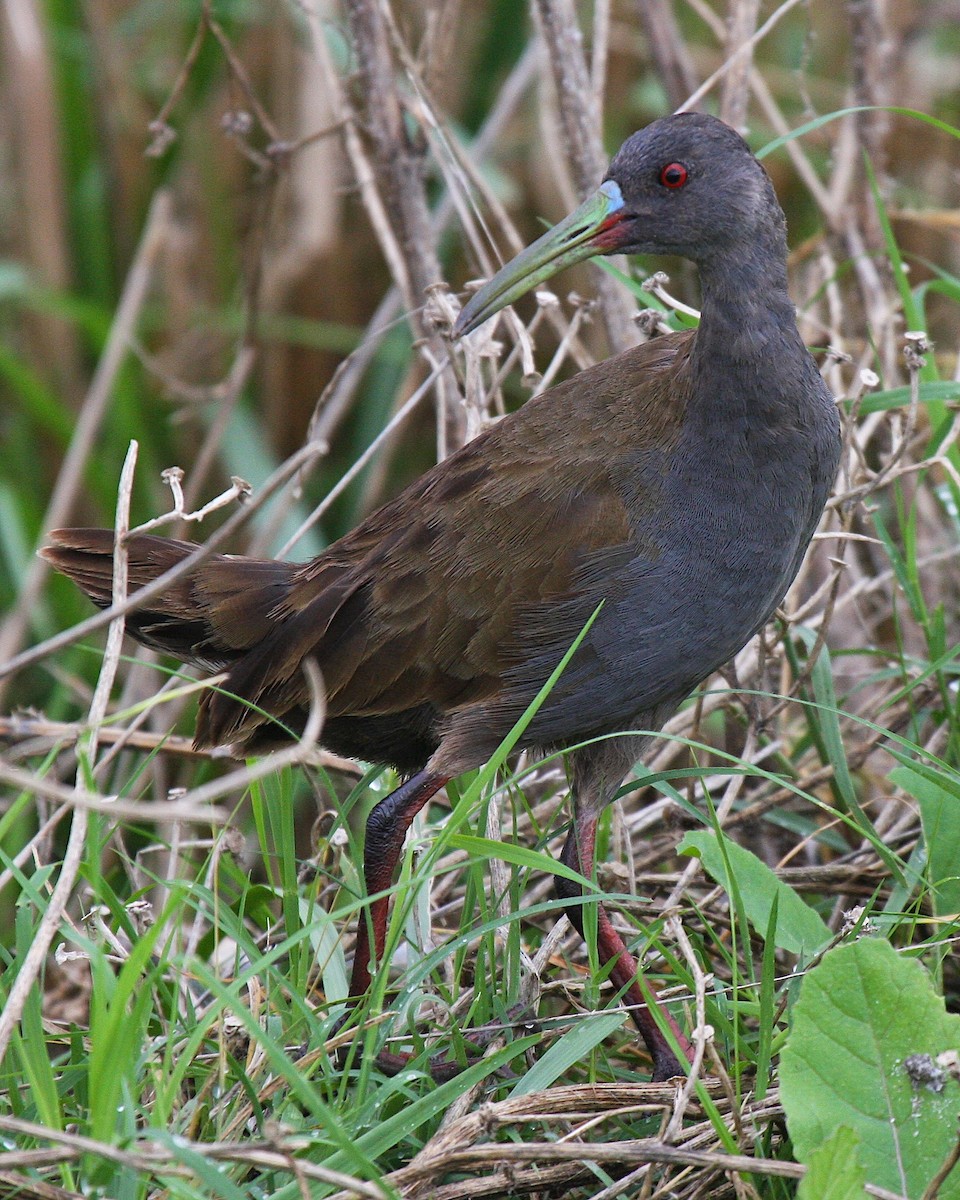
(496, 555)
(423, 605)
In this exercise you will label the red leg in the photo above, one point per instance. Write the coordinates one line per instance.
(387, 826)
(579, 853)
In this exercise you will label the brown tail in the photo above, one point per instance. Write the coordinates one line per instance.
(211, 617)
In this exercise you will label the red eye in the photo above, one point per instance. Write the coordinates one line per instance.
(674, 175)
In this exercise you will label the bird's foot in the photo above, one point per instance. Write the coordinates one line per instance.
(666, 1065)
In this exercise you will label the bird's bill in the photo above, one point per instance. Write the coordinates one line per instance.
(591, 229)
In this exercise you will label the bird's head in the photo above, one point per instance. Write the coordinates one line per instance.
(686, 185)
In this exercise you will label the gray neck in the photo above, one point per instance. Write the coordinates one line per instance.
(748, 317)
(750, 362)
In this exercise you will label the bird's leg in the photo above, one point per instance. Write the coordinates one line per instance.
(579, 853)
(387, 826)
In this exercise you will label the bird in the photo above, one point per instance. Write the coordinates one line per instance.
(662, 500)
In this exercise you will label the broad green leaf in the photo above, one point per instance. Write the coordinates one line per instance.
(861, 1014)
(835, 1171)
(939, 799)
(799, 929)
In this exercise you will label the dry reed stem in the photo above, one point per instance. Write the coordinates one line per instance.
(36, 735)
(163, 1160)
(671, 57)
(334, 402)
(735, 93)
(743, 50)
(498, 1166)
(398, 165)
(579, 115)
(30, 108)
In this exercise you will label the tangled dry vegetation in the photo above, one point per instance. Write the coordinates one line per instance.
(317, 188)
